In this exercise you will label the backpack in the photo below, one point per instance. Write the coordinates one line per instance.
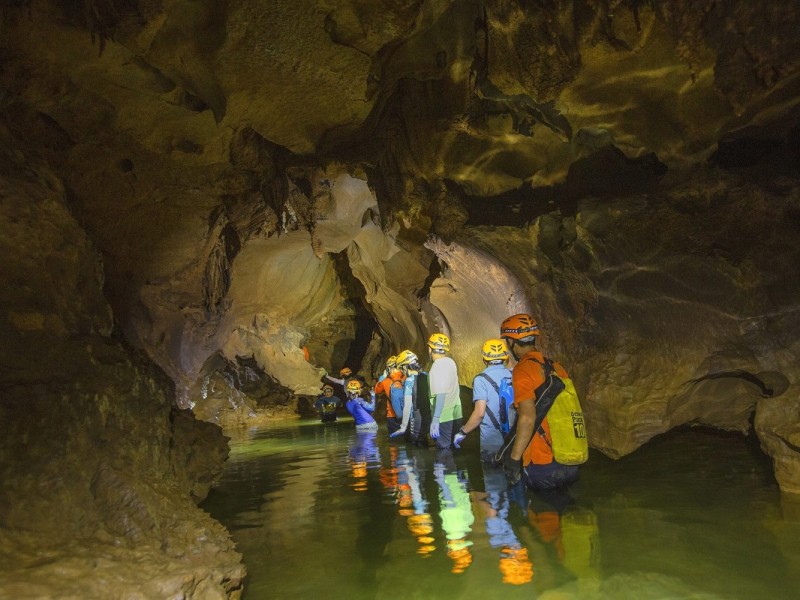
(421, 415)
(558, 401)
(505, 393)
(396, 392)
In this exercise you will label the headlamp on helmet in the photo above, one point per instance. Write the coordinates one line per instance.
(521, 327)
(439, 343)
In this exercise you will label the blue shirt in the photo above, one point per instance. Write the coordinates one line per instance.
(491, 438)
(360, 409)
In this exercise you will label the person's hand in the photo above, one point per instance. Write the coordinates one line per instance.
(434, 428)
(512, 469)
(397, 433)
(459, 437)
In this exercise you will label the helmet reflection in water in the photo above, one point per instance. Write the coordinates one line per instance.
(515, 566)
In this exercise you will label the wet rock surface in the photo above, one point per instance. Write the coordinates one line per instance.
(210, 206)
(100, 470)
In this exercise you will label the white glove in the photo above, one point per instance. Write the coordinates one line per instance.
(458, 438)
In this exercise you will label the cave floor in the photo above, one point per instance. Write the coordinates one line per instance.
(320, 511)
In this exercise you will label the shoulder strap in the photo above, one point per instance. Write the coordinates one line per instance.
(491, 381)
(492, 417)
(546, 395)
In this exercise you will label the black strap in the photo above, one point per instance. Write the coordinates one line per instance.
(489, 411)
(545, 396)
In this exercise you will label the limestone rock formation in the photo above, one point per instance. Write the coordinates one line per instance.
(95, 459)
(244, 195)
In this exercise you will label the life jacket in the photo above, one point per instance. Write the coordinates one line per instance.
(562, 428)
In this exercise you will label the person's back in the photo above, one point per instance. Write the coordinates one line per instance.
(410, 415)
(492, 401)
(486, 386)
(537, 384)
(391, 385)
(446, 414)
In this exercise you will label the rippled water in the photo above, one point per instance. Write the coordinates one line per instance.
(319, 511)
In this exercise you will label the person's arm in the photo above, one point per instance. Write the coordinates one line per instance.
(437, 411)
(474, 421)
(333, 379)
(407, 398)
(526, 417)
(439, 405)
(369, 406)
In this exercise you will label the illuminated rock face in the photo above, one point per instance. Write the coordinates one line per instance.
(255, 192)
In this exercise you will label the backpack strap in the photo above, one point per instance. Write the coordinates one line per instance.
(489, 411)
(546, 395)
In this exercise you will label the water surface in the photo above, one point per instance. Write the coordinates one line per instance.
(319, 511)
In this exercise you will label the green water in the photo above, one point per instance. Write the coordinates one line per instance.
(319, 511)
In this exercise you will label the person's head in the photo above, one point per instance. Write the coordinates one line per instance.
(494, 352)
(353, 388)
(345, 372)
(408, 362)
(391, 362)
(438, 346)
(327, 391)
(519, 332)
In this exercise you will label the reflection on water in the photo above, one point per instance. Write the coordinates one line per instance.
(321, 511)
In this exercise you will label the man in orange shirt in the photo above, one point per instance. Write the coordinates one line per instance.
(532, 454)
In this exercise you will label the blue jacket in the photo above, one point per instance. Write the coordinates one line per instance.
(361, 409)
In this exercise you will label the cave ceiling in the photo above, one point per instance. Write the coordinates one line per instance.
(257, 175)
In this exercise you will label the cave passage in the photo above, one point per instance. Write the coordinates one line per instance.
(318, 507)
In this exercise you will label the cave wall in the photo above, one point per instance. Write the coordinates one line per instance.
(94, 456)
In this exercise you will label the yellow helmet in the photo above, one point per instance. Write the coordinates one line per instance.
(439, 343)
(353, 386)
(391, 362)
(407, 359)
(494, 351)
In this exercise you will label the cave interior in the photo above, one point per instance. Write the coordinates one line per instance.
(207, 206)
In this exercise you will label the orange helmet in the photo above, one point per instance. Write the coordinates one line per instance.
(494, 351)
(519, 327)
(345, 372)
(439, 343)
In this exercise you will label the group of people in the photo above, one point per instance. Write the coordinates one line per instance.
(427, 404)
